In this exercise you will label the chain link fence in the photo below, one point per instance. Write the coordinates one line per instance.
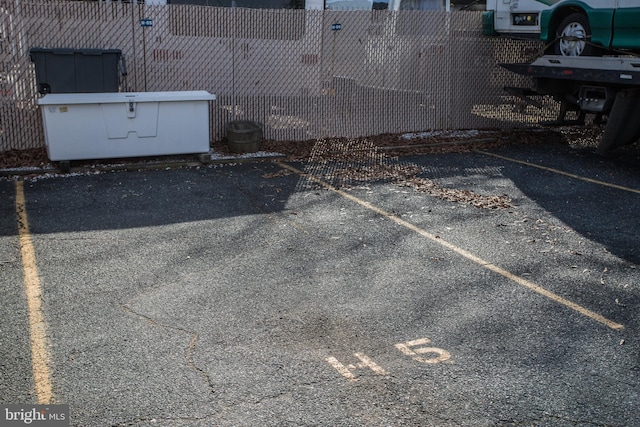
(303, 74)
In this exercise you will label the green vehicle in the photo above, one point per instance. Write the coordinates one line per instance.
(590, 28)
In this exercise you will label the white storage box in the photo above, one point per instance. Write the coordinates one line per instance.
(125, 124)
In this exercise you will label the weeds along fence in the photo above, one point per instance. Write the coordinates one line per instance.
(303, 74)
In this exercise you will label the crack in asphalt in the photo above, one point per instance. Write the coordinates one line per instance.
(189, 351)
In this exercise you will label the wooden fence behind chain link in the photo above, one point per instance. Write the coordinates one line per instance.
(303, 74)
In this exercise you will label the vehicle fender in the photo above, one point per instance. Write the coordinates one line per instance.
(600, 21)
(488, 23)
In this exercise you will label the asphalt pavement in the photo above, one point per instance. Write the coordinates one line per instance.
(318, 294)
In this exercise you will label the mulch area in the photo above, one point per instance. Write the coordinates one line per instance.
(358, 160)
(34, 158)
(391, 144)
(447, 142)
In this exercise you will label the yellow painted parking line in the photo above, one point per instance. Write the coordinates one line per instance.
(464, 253)
(560, 172)
(40, 359)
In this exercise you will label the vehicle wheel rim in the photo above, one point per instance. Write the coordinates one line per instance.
(572, 40)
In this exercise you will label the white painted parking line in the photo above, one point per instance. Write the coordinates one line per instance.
(560, 172)
(462, 252)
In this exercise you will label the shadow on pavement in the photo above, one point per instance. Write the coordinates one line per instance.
(125, 200)
(600, 213)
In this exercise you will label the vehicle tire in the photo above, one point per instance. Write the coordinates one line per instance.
(574, 37)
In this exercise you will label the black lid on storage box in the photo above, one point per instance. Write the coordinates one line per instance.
(63, 70)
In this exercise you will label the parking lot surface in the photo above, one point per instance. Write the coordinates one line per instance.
(494, 287)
